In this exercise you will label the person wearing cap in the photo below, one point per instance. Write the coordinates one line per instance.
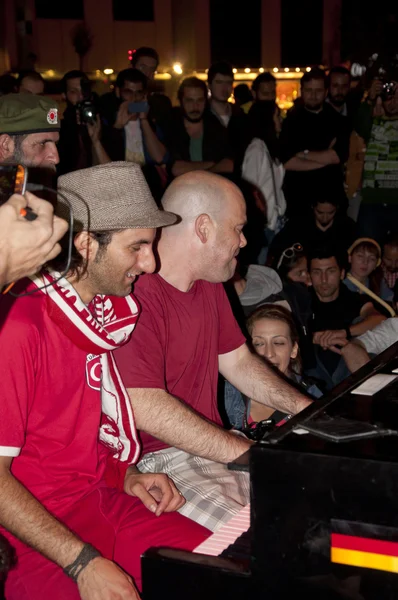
(364, 275)
(29, 130)
(72, 503)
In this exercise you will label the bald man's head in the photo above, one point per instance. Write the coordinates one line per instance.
(200, 192)
(213, 214)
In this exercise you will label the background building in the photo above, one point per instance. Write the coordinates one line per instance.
(257, 33)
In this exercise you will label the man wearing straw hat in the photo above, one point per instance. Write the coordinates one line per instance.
(72, 503)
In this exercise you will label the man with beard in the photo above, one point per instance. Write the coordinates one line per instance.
(377, 124)
(29, 130)
(314, 138)
(197, 139)
(389, 264)
(73, 505)
(339, 82)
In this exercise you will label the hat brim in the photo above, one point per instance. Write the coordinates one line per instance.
(160, 218)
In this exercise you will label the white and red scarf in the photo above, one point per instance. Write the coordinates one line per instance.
(108, 325)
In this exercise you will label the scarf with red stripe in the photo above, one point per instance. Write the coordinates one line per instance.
(105, 325)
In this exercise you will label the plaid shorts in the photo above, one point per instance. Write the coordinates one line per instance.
(213, 493)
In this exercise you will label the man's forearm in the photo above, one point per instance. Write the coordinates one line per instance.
(184, 166)
(226, 165)
(257, 380)
(158, 413)
(355, 356)
(323, 157)
(156, 149)
(29, 521)
(367, 323)
(99, 154)
(301, 164)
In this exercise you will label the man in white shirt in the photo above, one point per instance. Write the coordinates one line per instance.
(374, 341)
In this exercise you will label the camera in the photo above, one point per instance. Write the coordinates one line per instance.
(87, 112)
(86, 109)
(388, 90)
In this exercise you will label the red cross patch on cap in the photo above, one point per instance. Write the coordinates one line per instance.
(52, 116)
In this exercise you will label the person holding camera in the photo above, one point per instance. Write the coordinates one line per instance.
(129, 133)
(377, 124)
(80, 143)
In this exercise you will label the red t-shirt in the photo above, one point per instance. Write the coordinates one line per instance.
(176, 344)
(49, 414)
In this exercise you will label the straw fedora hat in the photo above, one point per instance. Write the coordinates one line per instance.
(110, 197)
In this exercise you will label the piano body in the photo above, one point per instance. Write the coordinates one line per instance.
(324, 506)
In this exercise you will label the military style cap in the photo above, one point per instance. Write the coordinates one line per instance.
(27, 113)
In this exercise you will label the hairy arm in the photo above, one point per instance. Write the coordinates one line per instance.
(254, 378)
(370, 318)
(355, 355)
(29, 521)
(166, 418)
(185, 166)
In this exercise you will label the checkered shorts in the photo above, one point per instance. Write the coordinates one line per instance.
(213, 493)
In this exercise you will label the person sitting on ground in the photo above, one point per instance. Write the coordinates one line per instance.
(187, 336)
(365, 275)
(358, 352)
(273, 336)
(338, 313)
(292, 268)
(261, 167)
(389, 266)
(325, 224)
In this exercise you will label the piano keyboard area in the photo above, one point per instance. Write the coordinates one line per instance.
(234, 533)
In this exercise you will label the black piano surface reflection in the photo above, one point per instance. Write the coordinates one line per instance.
(324, 500)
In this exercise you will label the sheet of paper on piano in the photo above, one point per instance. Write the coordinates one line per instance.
(374, 384)
(226, 535)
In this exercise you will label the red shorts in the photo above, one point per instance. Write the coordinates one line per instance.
(119, 526)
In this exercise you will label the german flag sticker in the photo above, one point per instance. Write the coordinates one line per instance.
(363, 552)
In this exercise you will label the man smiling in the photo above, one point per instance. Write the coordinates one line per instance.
(72, 502)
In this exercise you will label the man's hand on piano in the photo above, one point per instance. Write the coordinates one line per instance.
(156, 490)
(102, 579)
(334, 339)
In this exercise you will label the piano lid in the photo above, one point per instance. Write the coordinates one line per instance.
(358, 418)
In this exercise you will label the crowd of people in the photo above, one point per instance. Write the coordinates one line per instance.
(213, 261)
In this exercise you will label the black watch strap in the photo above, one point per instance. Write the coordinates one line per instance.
(87, 554)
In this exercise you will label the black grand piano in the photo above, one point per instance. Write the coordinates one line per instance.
(324, 506)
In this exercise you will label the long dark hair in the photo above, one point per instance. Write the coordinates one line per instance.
(261, 125)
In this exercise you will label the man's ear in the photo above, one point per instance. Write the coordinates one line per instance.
(342, 276)
(202, 227)
(117, 92)
(86, 246)
(7, 147)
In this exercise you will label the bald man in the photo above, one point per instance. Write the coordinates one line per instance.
(186, 334)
